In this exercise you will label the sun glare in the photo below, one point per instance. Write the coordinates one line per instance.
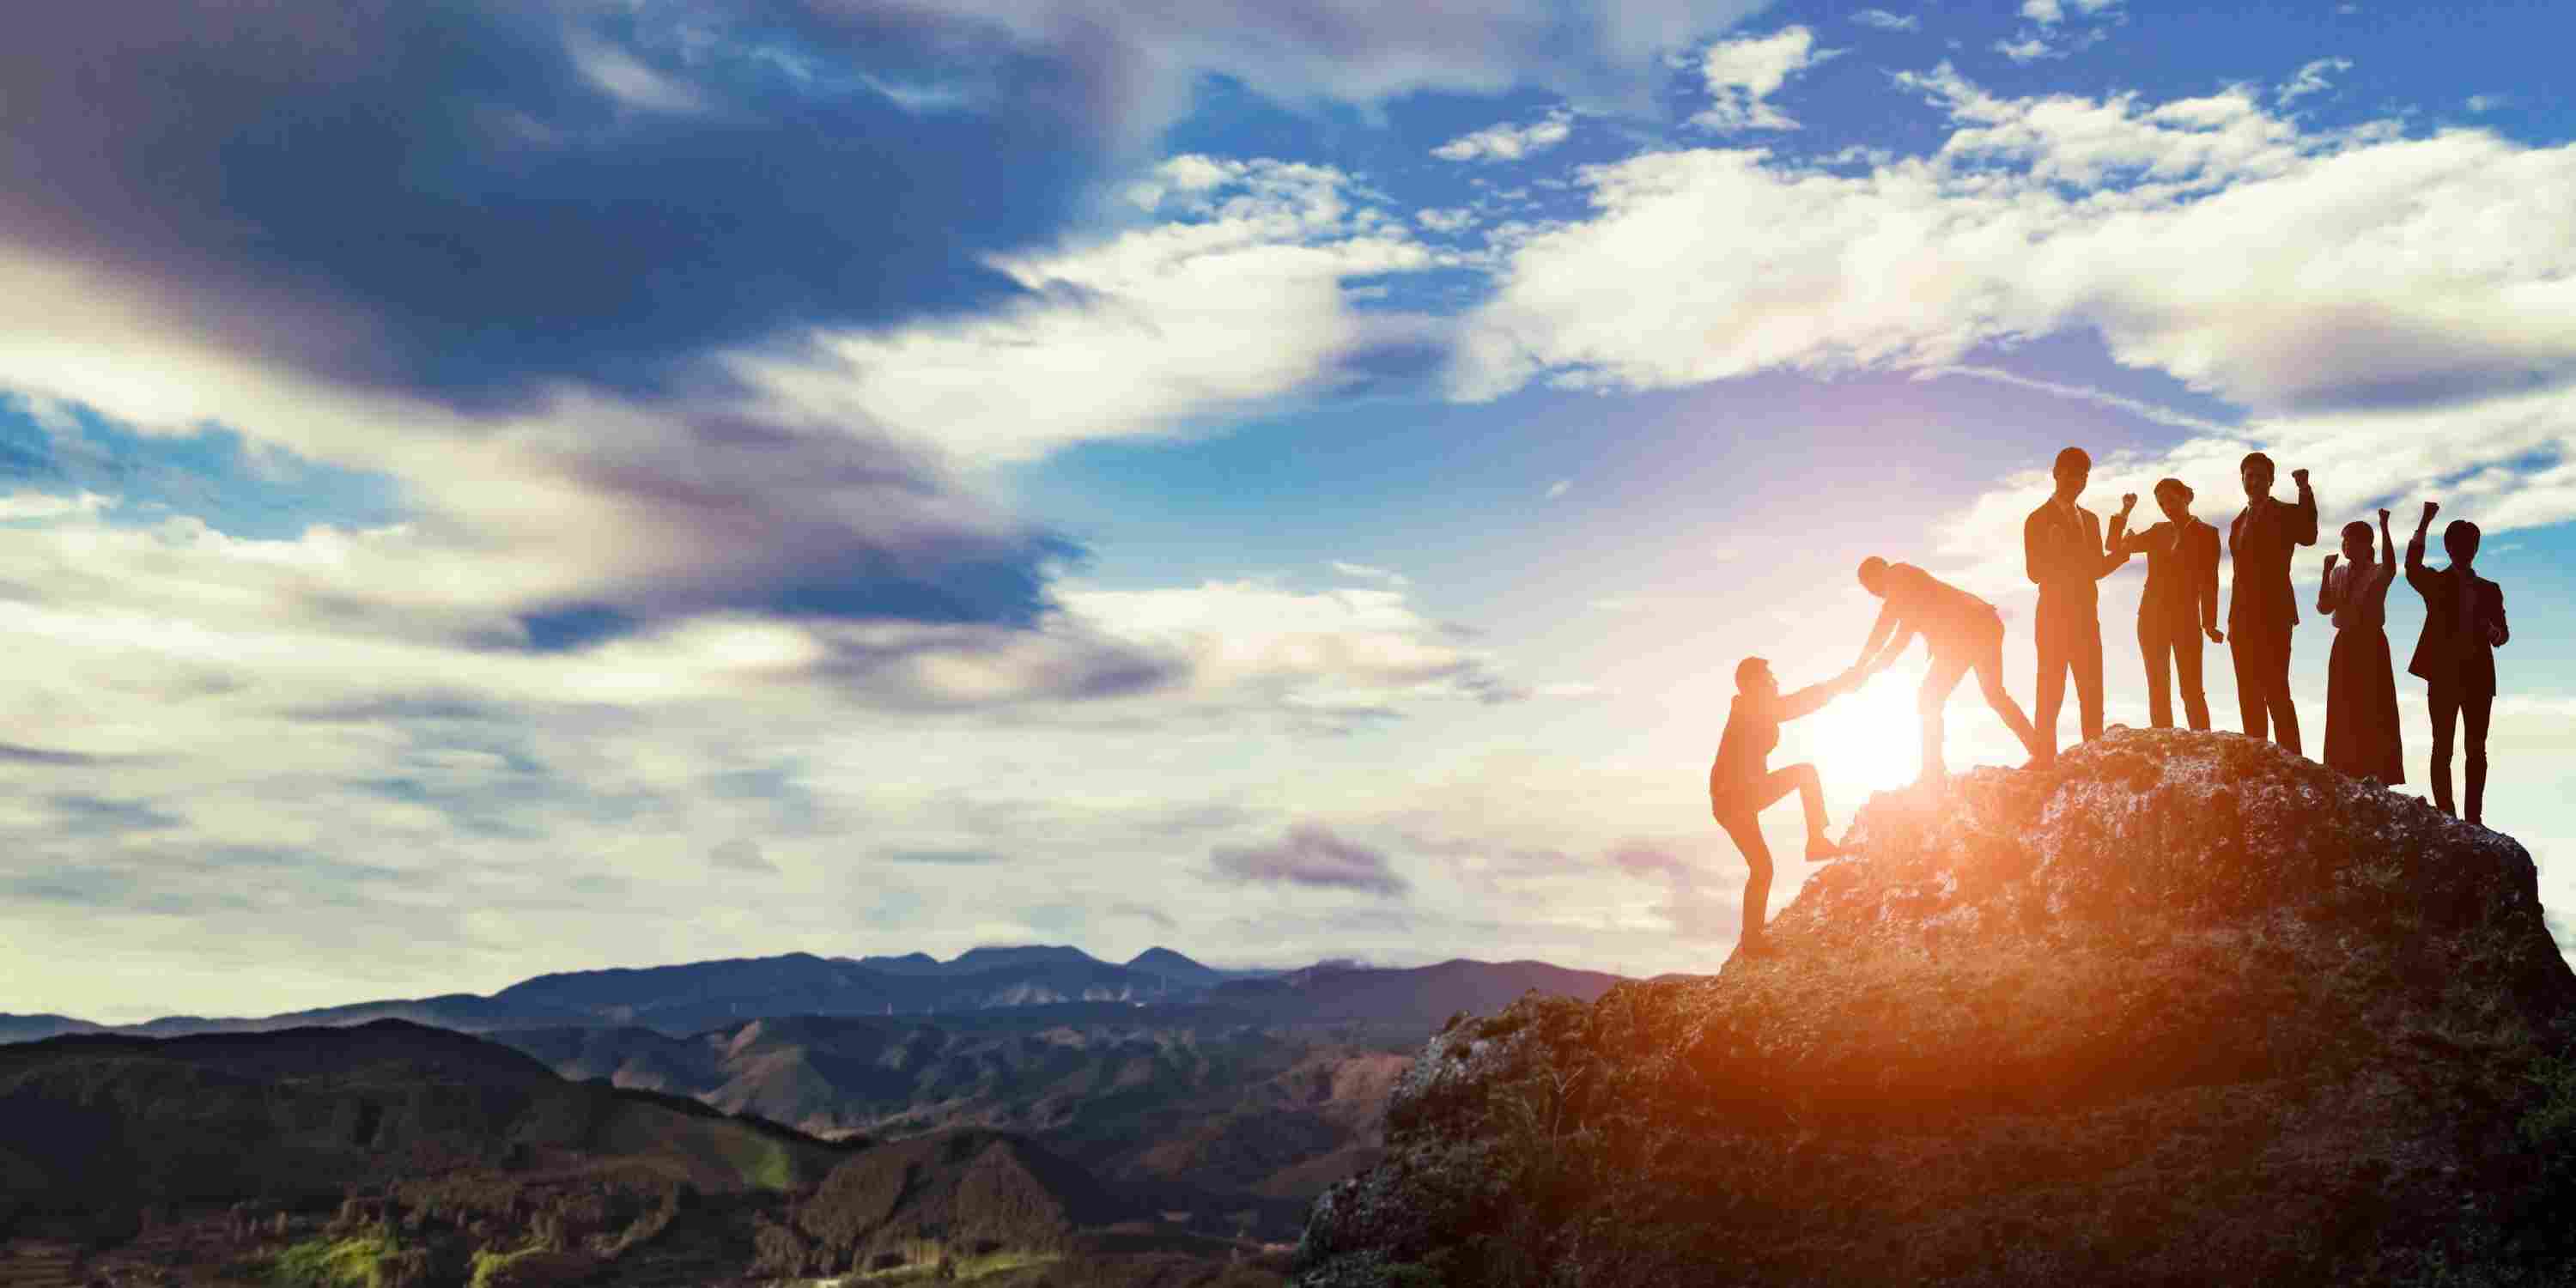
(1865, 741)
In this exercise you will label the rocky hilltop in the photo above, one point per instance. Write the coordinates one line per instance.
(2182, 1009)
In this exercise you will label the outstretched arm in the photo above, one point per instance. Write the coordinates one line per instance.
(1878, 633)
(1811, 699)
(1895, 648)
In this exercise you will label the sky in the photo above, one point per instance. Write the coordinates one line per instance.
(504, 488)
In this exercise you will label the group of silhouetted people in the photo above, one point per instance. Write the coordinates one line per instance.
(2066, 553)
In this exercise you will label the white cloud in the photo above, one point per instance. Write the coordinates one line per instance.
(40, 505)
(1448, 219)
(2274, 266)
(1138, 335)
(2311, 79)
(1885, 21)
(1559, 488)
(2027, 49)
(1508, 142)
(1742, 75)
(2049, 13)
(1364, 572)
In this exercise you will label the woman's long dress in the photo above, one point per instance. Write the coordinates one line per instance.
(2361, 688)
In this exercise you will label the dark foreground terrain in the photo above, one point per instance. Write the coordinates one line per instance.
(2184, 1010)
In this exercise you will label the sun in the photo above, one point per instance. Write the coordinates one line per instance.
(1869, 740)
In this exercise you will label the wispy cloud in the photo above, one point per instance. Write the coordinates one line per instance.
(1742, 74)
(1508, 142)
(1886, 21)
(2312, 78)
(1310, 855)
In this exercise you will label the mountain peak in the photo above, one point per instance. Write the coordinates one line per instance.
(1163, 961)
(986, 957)
(2192, 948)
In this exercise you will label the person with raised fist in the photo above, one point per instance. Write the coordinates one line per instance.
(2361, 691)
(2464, 625)
(2261, 608)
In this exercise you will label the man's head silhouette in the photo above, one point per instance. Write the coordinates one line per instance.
(2256, 471)
(2072, 469)
(2174, 496)
(1753, 676)
(1873, 575)
(2461, 539)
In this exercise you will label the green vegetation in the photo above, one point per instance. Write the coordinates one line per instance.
(925, 1266)
(356, 1262)
(488, 1265)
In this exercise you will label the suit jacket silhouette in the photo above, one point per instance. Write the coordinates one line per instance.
(2260, 540)
(2182, 577)
(2062, 553)
(2451, 651)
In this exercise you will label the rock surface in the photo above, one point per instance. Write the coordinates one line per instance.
(2183, 1009)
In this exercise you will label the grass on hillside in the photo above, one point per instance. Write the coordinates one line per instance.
(334, 1263)
(925, 1268)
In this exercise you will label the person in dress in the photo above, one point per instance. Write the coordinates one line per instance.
(2361, 687)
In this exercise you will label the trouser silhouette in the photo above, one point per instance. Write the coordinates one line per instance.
(2158, 643)
(2262, 655)
(2453, 703)
(2070, 639)
(1951, 661)
(1739, 811)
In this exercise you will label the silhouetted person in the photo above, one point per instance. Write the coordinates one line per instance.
(2361, 689)
(2261, 610)
(1962, 632)
(1741, 783)
(2064, 553)
(2463, 627)
(2180, 604)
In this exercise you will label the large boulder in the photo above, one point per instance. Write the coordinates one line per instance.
(2183, 1009)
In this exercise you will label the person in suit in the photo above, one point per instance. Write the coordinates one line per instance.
(2180, 603)
(2464, 625)
(2361, 692)
(2261, 609)
(1741, 783)
(2064, 555)
(1962, 632)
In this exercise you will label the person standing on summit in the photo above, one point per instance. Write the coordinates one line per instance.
(2261, 610)
(2464, 624)
(2064, 554)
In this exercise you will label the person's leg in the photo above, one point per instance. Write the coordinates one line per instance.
(1989, 666)
(2244, 647)
(1947, 668)
(2186, 660)
(1802, 779)
(2152, 650)
(1745, 830)
(2445, 701)
(2088, 675)
(2054, 658)
(2285, 715)
(2474, 710)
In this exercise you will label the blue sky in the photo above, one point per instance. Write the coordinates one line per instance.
(525, 488)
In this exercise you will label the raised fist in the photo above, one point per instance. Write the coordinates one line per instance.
(2383, 518)
(2330, 562)
(2298, 476)
(2431, 508)
(2128, 502)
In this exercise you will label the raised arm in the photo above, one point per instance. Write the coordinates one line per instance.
(2303, 516)
(2416, 574)
(2387, 570)
(2115, 550)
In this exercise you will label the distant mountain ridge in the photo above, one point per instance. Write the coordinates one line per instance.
(691, 997)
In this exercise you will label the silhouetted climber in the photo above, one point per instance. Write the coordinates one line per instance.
(2180, 604)
(1741, 784)
(1962, 632)
(2463, 627)
(2361, 690)
(2261, 609)
(2064, 553)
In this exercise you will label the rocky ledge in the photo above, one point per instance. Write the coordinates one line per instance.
(2183, 1009)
